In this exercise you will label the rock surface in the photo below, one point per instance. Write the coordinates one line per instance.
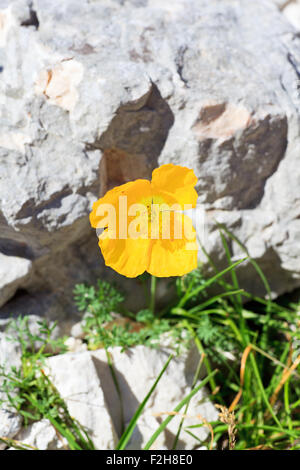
(10, 352)
(94, 94)
(14, 273)
(10, 425)
(84, 381)
(281, 4)
(10, 356)
(40, 435)
(136, 371)
(75, 344)
(74, 375)
(292, 12)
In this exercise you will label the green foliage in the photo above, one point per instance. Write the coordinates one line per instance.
(218, 324)
(258, 392)
(29, 391)
(185, 284)
(39, 344)
(99, 303)
(215, 338)
(100, 323)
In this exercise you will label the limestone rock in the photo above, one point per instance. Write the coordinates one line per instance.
(84, 381)
(40, 435)
(292, 13)
(10, 424)
(94, 94)
(75, 344)
(10, 356)
(136, 371)
(282, 3)
(37, 306)
(14, 273)
(10, 352)
(74, 375)
(77, 331)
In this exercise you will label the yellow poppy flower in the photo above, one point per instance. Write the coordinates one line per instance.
(143, 226)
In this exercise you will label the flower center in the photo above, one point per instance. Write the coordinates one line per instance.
(162, 223)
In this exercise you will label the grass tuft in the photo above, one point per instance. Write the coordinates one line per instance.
(253, 341)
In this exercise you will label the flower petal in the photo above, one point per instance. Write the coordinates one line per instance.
(175, 257)
(175, 183)
(129, 257)
(134, 190)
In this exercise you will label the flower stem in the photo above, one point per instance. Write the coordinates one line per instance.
(152, 294)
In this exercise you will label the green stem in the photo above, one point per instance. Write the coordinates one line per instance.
(287, 405)
(152, 294)
(262, 390)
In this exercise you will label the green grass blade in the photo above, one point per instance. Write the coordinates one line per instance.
(264, 336)
(194, 436)
(223, 427)
(252, 261)
(65, 433)
(209, 282)
(165, 423)
(237, 300)
(262, 390)
(83, 437)
(215, 299)
(130, 428)
(16, 444)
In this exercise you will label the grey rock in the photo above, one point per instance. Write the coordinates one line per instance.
(77, 331)
(281, 4)
(40, 435)
(95, 94)
(14, 273)
(10, 353)
(10, 425)
(37, 306)
(231, 133)
(75, 344)
(10, 356)
(84, 380)
(75, 377)
(292, 12)
(136, 370)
